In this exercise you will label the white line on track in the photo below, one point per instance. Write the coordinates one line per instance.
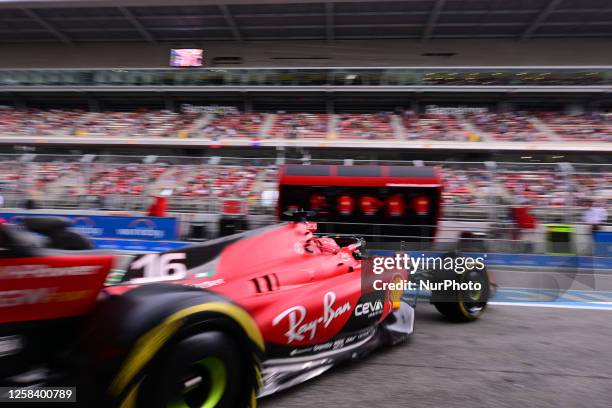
(594, 295)
(555, 289)
(592, 306)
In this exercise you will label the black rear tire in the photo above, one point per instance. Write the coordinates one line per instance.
(465, 306)
(204, 370)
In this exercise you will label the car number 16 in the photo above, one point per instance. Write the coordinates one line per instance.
(160, 267)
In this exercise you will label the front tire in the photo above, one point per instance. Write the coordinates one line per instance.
(464, 305)
(206, 370)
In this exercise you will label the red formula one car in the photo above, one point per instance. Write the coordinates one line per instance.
(209, 325)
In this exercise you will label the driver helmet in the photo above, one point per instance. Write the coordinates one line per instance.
(328, 245)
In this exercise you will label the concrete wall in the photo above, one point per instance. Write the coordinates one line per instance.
(340, 53)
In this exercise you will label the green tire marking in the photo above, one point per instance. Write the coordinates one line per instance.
(218, 377)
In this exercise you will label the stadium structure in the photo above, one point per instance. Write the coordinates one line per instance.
(107, 104)
(482, 126)
(419, 81)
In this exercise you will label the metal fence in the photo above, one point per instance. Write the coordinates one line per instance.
(449, 235)
(473, 190)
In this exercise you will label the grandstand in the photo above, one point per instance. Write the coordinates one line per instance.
(150, 125)
(455, 84)
(408, 125)
(202, 184)
(409, 74)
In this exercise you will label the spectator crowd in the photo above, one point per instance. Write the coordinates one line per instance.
(510, 126)
(102, 183)
(513, 126)
(536, 186)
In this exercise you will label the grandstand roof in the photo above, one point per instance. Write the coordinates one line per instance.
(184, 21)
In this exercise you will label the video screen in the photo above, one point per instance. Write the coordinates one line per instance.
(186, 57)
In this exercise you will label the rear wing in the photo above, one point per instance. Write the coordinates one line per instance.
(50, 287)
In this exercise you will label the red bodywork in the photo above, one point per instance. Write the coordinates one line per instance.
(51, 287)
(300, 290)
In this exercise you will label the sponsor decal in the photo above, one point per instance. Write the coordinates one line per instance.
(296, 352)
(298, 329)
(208, 284)
(86, 226)
(342, 342)
(141, 227)
(110, 226)
(369, 309)
(336, 343)
(27, 297)
(46, 271)
(114, 277)
(359, 336)
(322, 347)
(12, 298)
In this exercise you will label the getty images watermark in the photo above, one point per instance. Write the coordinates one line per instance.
(396, 272)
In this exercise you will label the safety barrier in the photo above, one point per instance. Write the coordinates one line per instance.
(558, 262)
(112, 226)
(138, 245)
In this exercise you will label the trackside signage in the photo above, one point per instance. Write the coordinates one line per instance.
(107, 226)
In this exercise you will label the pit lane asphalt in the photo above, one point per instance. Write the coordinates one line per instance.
(513, 356)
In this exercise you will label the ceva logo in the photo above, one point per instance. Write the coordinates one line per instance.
(87, 226)
(141, 227)
(369, 309)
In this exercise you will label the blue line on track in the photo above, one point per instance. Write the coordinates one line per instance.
(570, 299)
